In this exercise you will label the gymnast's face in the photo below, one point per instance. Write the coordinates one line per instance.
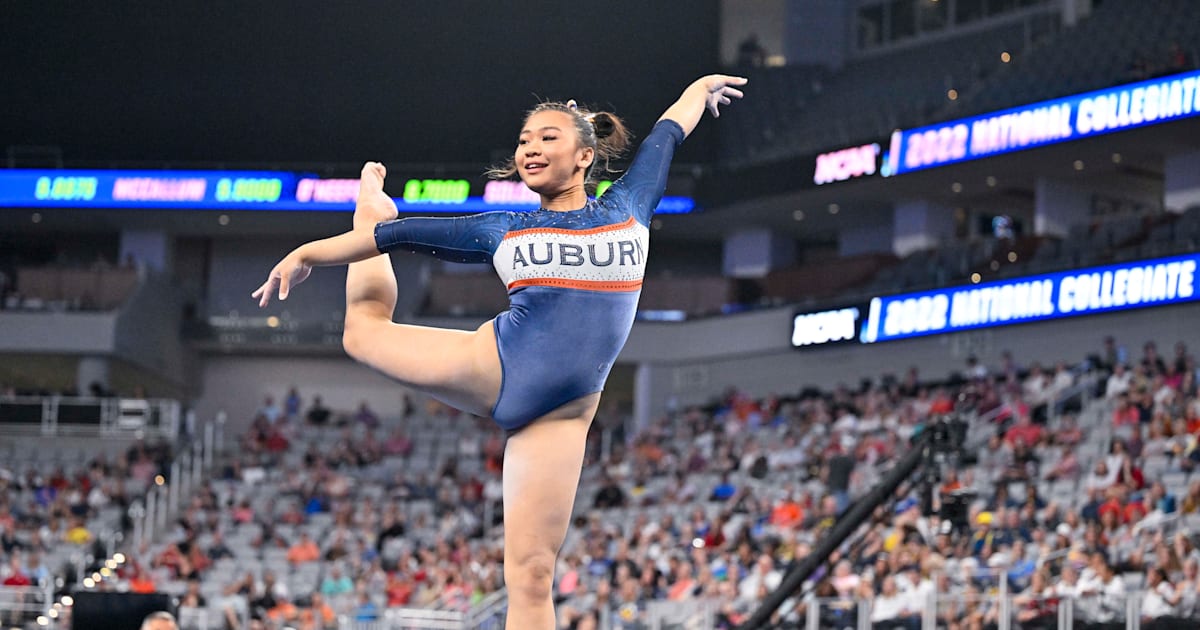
(549, 156)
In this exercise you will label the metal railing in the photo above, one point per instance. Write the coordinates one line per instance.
(21, 606)
(1003, 612)
(192, 465)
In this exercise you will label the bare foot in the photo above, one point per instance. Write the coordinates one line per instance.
(373, 204)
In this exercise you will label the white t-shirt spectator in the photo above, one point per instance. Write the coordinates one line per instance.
(1118, 384)
(748, 589)
(886, 608)
(1036, 387)
(1154, 601)
(847, 422)
(1063, 380)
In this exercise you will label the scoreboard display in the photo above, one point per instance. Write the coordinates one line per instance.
(261, 190)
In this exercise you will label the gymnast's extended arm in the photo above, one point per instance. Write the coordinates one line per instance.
(469, 239)
(706, 92)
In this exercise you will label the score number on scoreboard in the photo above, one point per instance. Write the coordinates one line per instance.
(65, 188)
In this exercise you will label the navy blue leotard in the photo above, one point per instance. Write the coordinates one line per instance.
(573, 280)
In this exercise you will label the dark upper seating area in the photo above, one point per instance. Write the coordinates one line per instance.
(810, 110)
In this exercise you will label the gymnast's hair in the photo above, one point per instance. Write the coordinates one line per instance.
(604, 132)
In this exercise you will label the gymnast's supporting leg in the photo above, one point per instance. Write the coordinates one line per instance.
(458, 367)
(542, 463)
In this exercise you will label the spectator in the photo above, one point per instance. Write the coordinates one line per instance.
(192, 598)
(1066, 468)
(79, 533)
(1160, 599)
(161, 620)
(751, 53)
(366, 609)
(1037, 605)
(1125, 413)
(893, 609)
(763, 576)
(269, 410)
(337, 583)
(724, 490)
(318, 615)
(141, 582)
(610, 495)
(1118, 382)
(365, 416)
(1024, 432)
(318, 414)
(304, 550)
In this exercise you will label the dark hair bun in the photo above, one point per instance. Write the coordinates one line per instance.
(604, 124)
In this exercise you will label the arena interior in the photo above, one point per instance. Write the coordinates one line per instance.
(916, 346)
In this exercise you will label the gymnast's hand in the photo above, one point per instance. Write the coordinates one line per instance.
(708, 92)
(290, 271)
(719, 90)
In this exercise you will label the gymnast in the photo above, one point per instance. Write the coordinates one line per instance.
(573, 270)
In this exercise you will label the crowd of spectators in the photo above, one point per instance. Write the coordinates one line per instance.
(324, 513)
(54, 514)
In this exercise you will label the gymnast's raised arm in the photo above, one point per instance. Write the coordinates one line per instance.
(707, 92)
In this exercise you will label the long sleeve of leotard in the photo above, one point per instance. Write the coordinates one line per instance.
(468, 239)
(646, 180)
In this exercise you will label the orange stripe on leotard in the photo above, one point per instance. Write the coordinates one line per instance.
(587, 285)
(597, 230)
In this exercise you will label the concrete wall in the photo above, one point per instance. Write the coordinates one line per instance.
(695, 361)
(73, 333)
(778, 369)
(237, 385)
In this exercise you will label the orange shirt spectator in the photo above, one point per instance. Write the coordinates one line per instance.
(305, 550)
(283, 610)
(142, 584)
(319, 611)
(787, 514)
(682, 589)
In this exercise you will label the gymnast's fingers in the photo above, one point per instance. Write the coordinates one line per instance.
(285, 285)
(734, 92)
(264, 292)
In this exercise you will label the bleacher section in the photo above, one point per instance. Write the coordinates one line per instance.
(807, 111)
(405, 515)
(1122, 41)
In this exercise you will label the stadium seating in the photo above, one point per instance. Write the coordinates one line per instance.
(407, 512)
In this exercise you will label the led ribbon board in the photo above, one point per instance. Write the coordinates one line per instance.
(1118, 108)
(1049, 122)
(826, 328)
(257, 190)
(1126, 286)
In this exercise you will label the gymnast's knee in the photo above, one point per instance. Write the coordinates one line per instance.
(530, 577)
(357, 335)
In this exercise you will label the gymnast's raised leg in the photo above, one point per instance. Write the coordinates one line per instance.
(460, 368)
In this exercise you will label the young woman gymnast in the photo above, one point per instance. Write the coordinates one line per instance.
(573, 270)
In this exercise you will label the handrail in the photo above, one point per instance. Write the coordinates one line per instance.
(490, 606)
(188, 470)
